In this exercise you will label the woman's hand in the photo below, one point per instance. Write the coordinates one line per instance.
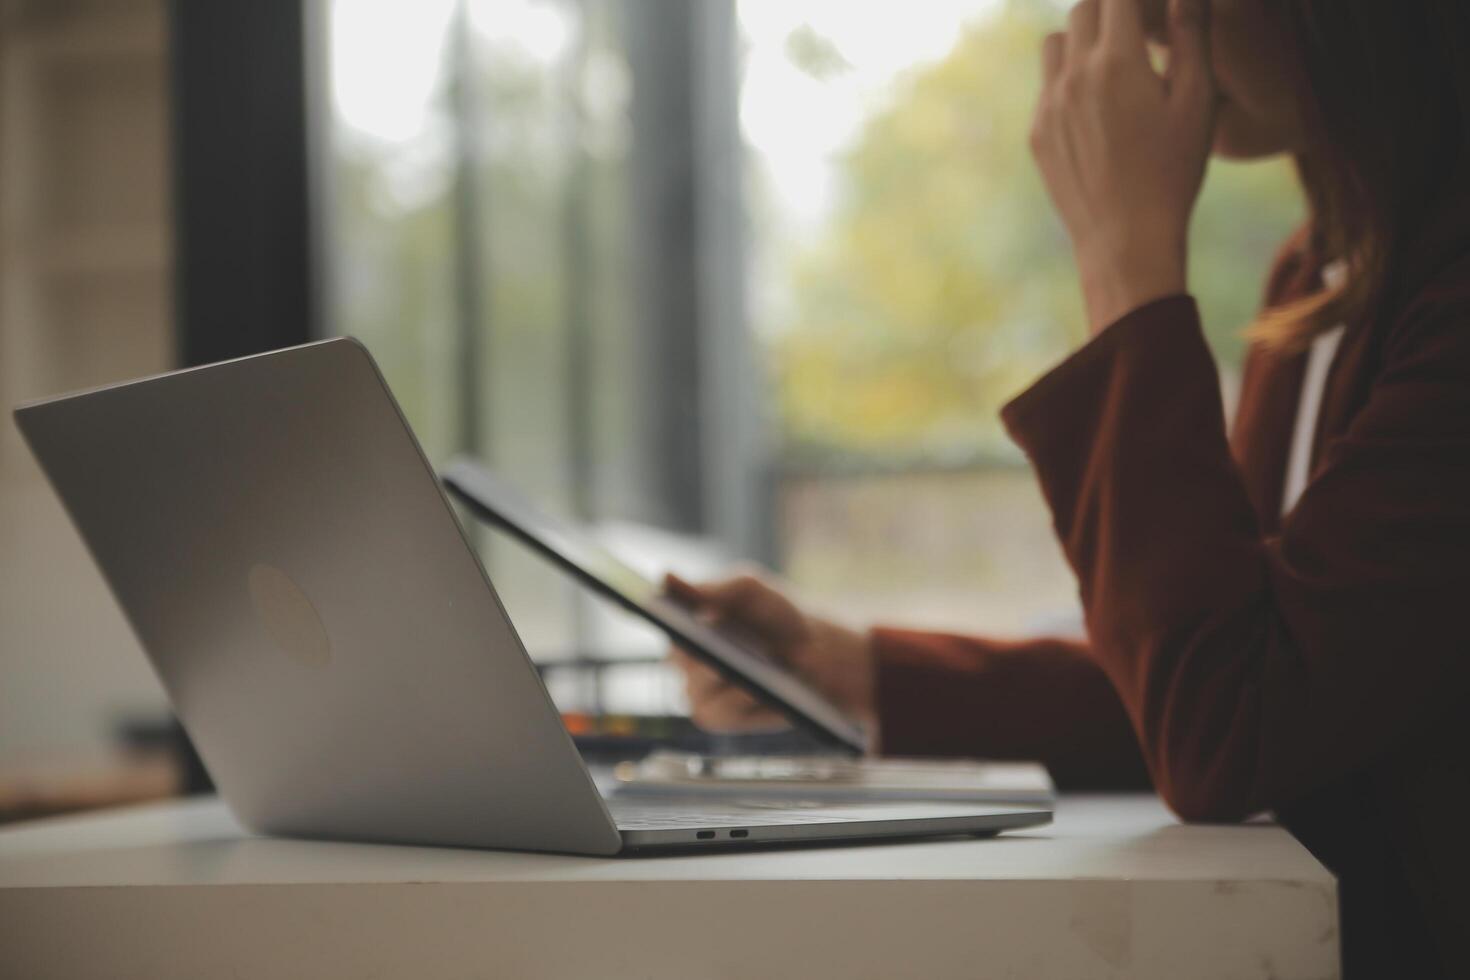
(1123, 149)
(837, 661)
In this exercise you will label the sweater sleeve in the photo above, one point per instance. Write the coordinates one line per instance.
(1043, 700)
(1257, 667)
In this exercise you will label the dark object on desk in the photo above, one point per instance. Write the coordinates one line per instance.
(154, 733)
(194, 779)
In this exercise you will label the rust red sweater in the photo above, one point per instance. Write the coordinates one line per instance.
(1315, 665)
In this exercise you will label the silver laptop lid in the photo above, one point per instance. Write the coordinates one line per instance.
(286, 557)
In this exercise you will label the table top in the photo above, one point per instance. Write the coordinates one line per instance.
(1115, 889)
(198, 842)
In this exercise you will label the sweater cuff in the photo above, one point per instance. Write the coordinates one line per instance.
(1148, 328)
(906, 680)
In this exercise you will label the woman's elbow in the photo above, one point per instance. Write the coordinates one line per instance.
(1196, 806)
(1206, 789)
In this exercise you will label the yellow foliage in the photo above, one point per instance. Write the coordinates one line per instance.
(944, 282)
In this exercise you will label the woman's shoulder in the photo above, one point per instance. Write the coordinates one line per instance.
(1445, 285)
(1430, 317)
(1433, 269)
(1433, 264)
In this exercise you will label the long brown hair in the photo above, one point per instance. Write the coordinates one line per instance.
(1388, 107)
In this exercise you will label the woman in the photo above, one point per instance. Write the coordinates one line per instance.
(1277, 622)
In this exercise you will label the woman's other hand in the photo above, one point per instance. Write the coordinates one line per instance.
(1123, 148)
(835, 660)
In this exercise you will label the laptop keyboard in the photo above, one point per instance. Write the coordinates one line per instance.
(640, 815)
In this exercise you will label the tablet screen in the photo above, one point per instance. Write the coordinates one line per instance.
(493, 500)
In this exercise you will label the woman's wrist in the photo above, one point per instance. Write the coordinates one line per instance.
(1119, 278)
(855, 683)
(867, 704)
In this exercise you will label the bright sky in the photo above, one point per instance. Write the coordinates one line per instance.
(798, 123)
(384, 62)
(386, 57)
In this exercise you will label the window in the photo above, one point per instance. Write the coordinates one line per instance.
(759, 274)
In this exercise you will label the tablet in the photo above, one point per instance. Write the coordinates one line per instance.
(494, 501)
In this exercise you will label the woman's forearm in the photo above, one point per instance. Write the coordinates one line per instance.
(1043, 700)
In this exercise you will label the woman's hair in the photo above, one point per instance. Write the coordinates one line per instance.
(1387, 86)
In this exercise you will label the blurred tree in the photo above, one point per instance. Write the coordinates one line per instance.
(944, 283)
(539, 139)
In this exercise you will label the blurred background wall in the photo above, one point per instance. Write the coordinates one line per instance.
(84, 300)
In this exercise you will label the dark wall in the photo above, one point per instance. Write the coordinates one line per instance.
(242, 214)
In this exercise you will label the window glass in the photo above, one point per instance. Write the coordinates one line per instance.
(899, 272)
(910, 278)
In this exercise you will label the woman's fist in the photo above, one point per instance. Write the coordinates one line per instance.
(835, 660)
(1123, 148)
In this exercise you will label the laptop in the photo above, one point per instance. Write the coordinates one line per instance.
(329, 639)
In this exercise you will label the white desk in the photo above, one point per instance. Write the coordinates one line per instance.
(1114, 889)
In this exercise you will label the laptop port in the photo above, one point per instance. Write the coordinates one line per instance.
(705, 835)
(739, 833)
